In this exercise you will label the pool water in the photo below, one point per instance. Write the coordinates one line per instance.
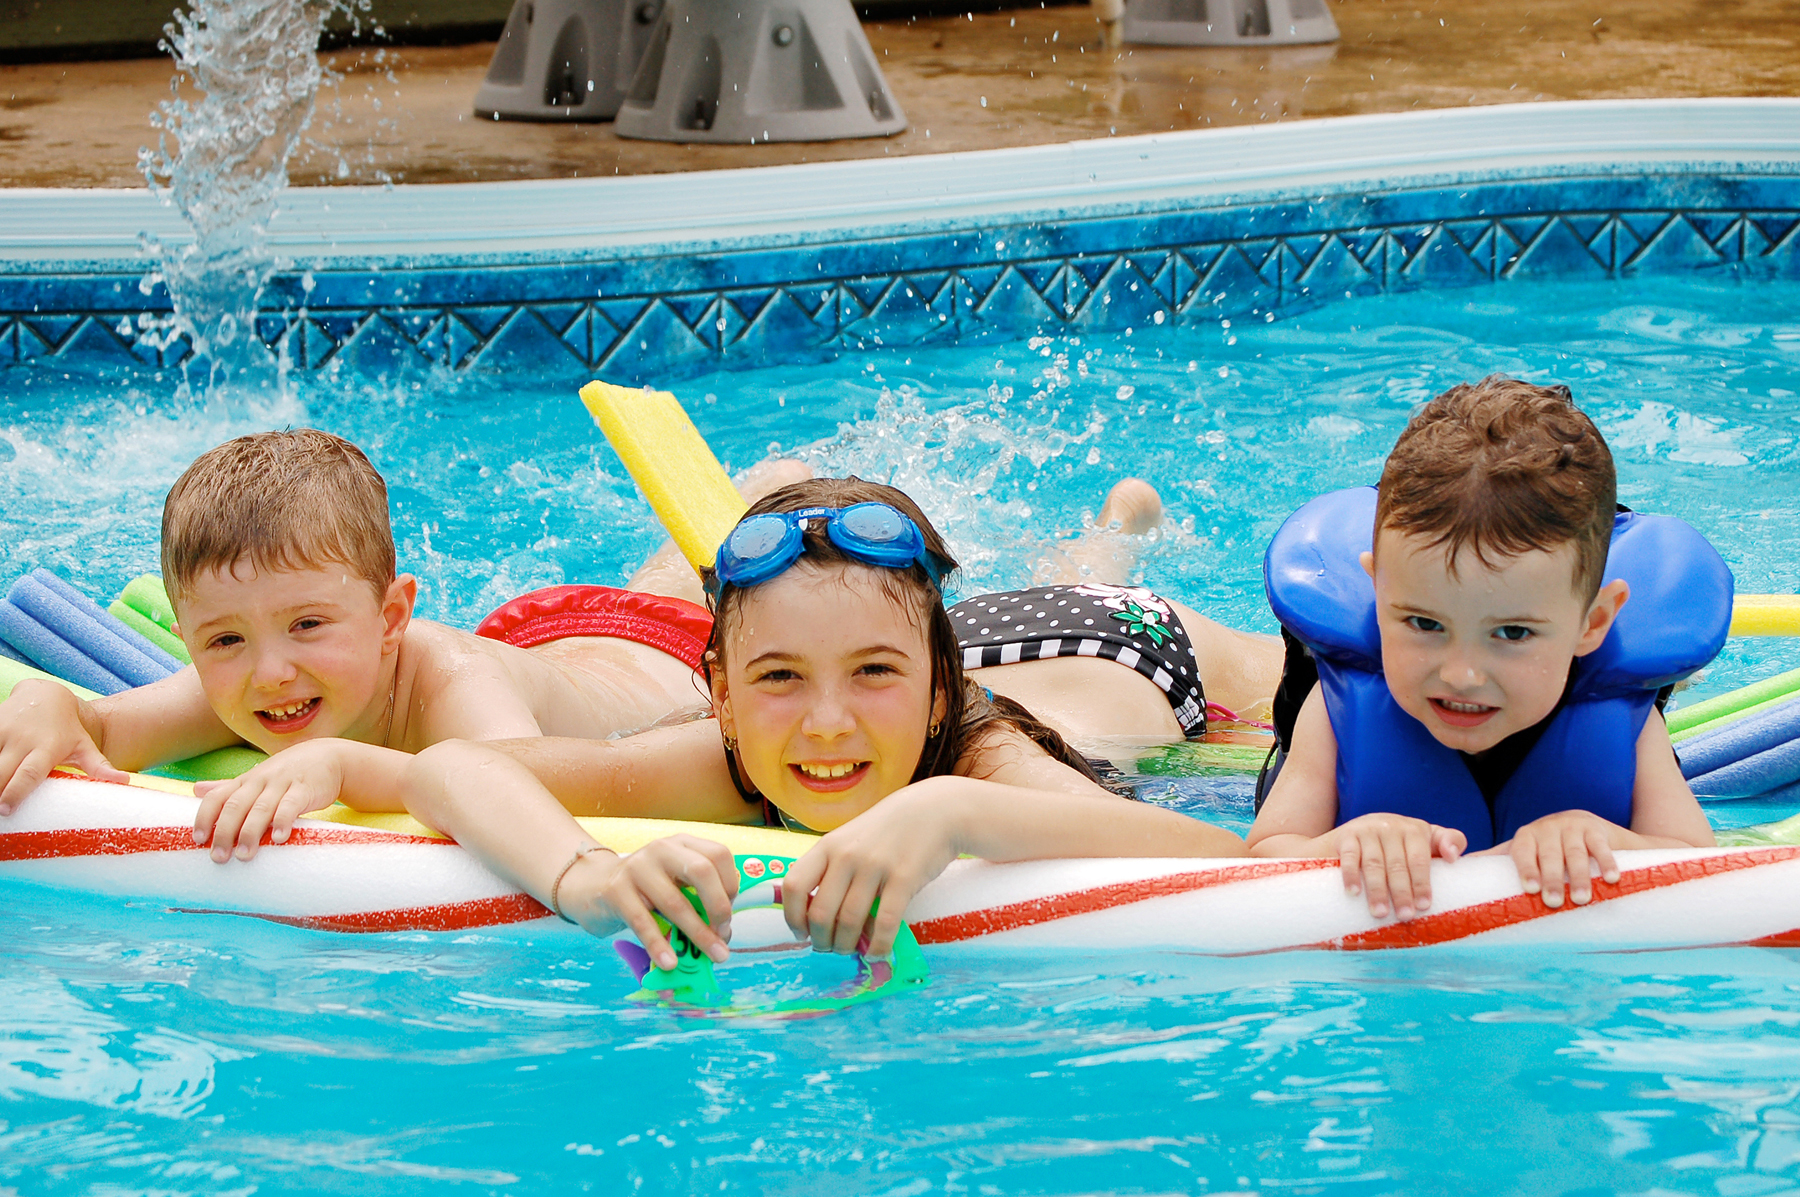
(148, 1051)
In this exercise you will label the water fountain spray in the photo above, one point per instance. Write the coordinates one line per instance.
(256, 65)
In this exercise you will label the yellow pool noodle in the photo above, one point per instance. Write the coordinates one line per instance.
(671, 463)
(1766, 615)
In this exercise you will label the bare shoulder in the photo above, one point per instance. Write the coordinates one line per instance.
(454, 685)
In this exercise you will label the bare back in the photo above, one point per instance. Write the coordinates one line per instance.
(454, 685)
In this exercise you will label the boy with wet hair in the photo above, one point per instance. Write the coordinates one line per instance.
(1478, 686)
(278, 556)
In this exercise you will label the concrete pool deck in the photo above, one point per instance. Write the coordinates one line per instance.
(997, 79)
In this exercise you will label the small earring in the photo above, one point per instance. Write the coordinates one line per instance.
(932, 731)
(730, 743)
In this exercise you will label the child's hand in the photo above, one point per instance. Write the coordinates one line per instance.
(41, 728)
(889, 852)
(604, 889)
(1389, 857)
(1563, 848)
(235, 813)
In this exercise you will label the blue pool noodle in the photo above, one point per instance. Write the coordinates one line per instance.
(1740, 740)
(51, 653)
(63, 631)
(112, 631)
(1770, 770)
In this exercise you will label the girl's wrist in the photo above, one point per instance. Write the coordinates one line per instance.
(578, 896)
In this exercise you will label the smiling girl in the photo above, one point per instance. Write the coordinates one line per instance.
(842, 707)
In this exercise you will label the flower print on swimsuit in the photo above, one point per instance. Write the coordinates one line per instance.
(1141, 611)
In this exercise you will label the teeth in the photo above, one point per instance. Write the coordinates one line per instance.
(1465, 708)
(289, 711)
(829, 772)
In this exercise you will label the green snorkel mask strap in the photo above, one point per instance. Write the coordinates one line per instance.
(691, 988)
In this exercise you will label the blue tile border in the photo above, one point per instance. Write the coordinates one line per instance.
(636, 314)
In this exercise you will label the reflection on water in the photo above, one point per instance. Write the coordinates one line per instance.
(275, 1060)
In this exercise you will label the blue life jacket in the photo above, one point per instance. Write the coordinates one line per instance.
(1674, 622)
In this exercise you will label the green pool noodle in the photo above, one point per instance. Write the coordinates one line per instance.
(1761, 835)
(1683, 718)
(1724, 721)
(208, 766)
(144, 607)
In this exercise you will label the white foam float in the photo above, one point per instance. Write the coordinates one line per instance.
(387, 873)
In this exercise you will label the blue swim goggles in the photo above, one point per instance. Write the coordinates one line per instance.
(764, 546)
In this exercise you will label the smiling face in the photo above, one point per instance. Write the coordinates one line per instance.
(826, 685)
(1477, 654)
(291, 655)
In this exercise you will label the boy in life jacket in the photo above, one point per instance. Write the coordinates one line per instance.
(1492, 638)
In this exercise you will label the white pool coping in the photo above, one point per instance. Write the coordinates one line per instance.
(824, 200)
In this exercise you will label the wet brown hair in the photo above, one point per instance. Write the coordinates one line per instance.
(1503, 467)
(971, 713)
(296, 499)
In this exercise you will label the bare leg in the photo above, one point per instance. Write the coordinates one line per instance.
(1108, 551)
(668, 572)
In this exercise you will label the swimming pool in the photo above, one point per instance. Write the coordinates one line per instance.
(144, 1050)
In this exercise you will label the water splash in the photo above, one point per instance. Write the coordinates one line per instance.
(256, 66)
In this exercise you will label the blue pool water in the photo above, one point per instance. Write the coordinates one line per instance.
(148, 1051)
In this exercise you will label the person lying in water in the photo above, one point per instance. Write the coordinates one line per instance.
(1108, 661)
(842, 706)
(279, 559)
(1481, 683)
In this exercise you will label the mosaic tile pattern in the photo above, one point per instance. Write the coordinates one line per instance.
(634, 318)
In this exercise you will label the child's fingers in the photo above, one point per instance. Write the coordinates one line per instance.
(886, 927)
(702, 873)
(212, 795)
(1603, 856)
(822, 913)
(298, 801)
(1448, 842)
(1349, 851)
(230, 819)
(261, 814)
(855, 912)
(1375, 877)
(663, 894)
(1418, 866)
(1394, 852)
(1525, 858)
(89, 759)
(723, 862)
(797, 887)
(1575, 858)
(27, 771)
(643, 924)
(1553, 868)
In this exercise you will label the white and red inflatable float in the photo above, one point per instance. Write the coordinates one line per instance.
(387, 873)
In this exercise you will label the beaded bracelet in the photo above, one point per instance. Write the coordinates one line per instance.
(556, 886)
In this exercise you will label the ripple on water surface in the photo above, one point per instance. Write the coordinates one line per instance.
(143, 1050)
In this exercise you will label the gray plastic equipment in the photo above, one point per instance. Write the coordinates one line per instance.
(758, 70)
(566, 60)
(1228, 22)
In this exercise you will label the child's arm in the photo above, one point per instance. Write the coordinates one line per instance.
(43, 725)
(493, 806)
(1023, 806)
(1386, 856)
(1664, 814)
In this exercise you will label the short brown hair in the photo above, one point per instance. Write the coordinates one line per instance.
(1503, 467)
(296, 499)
